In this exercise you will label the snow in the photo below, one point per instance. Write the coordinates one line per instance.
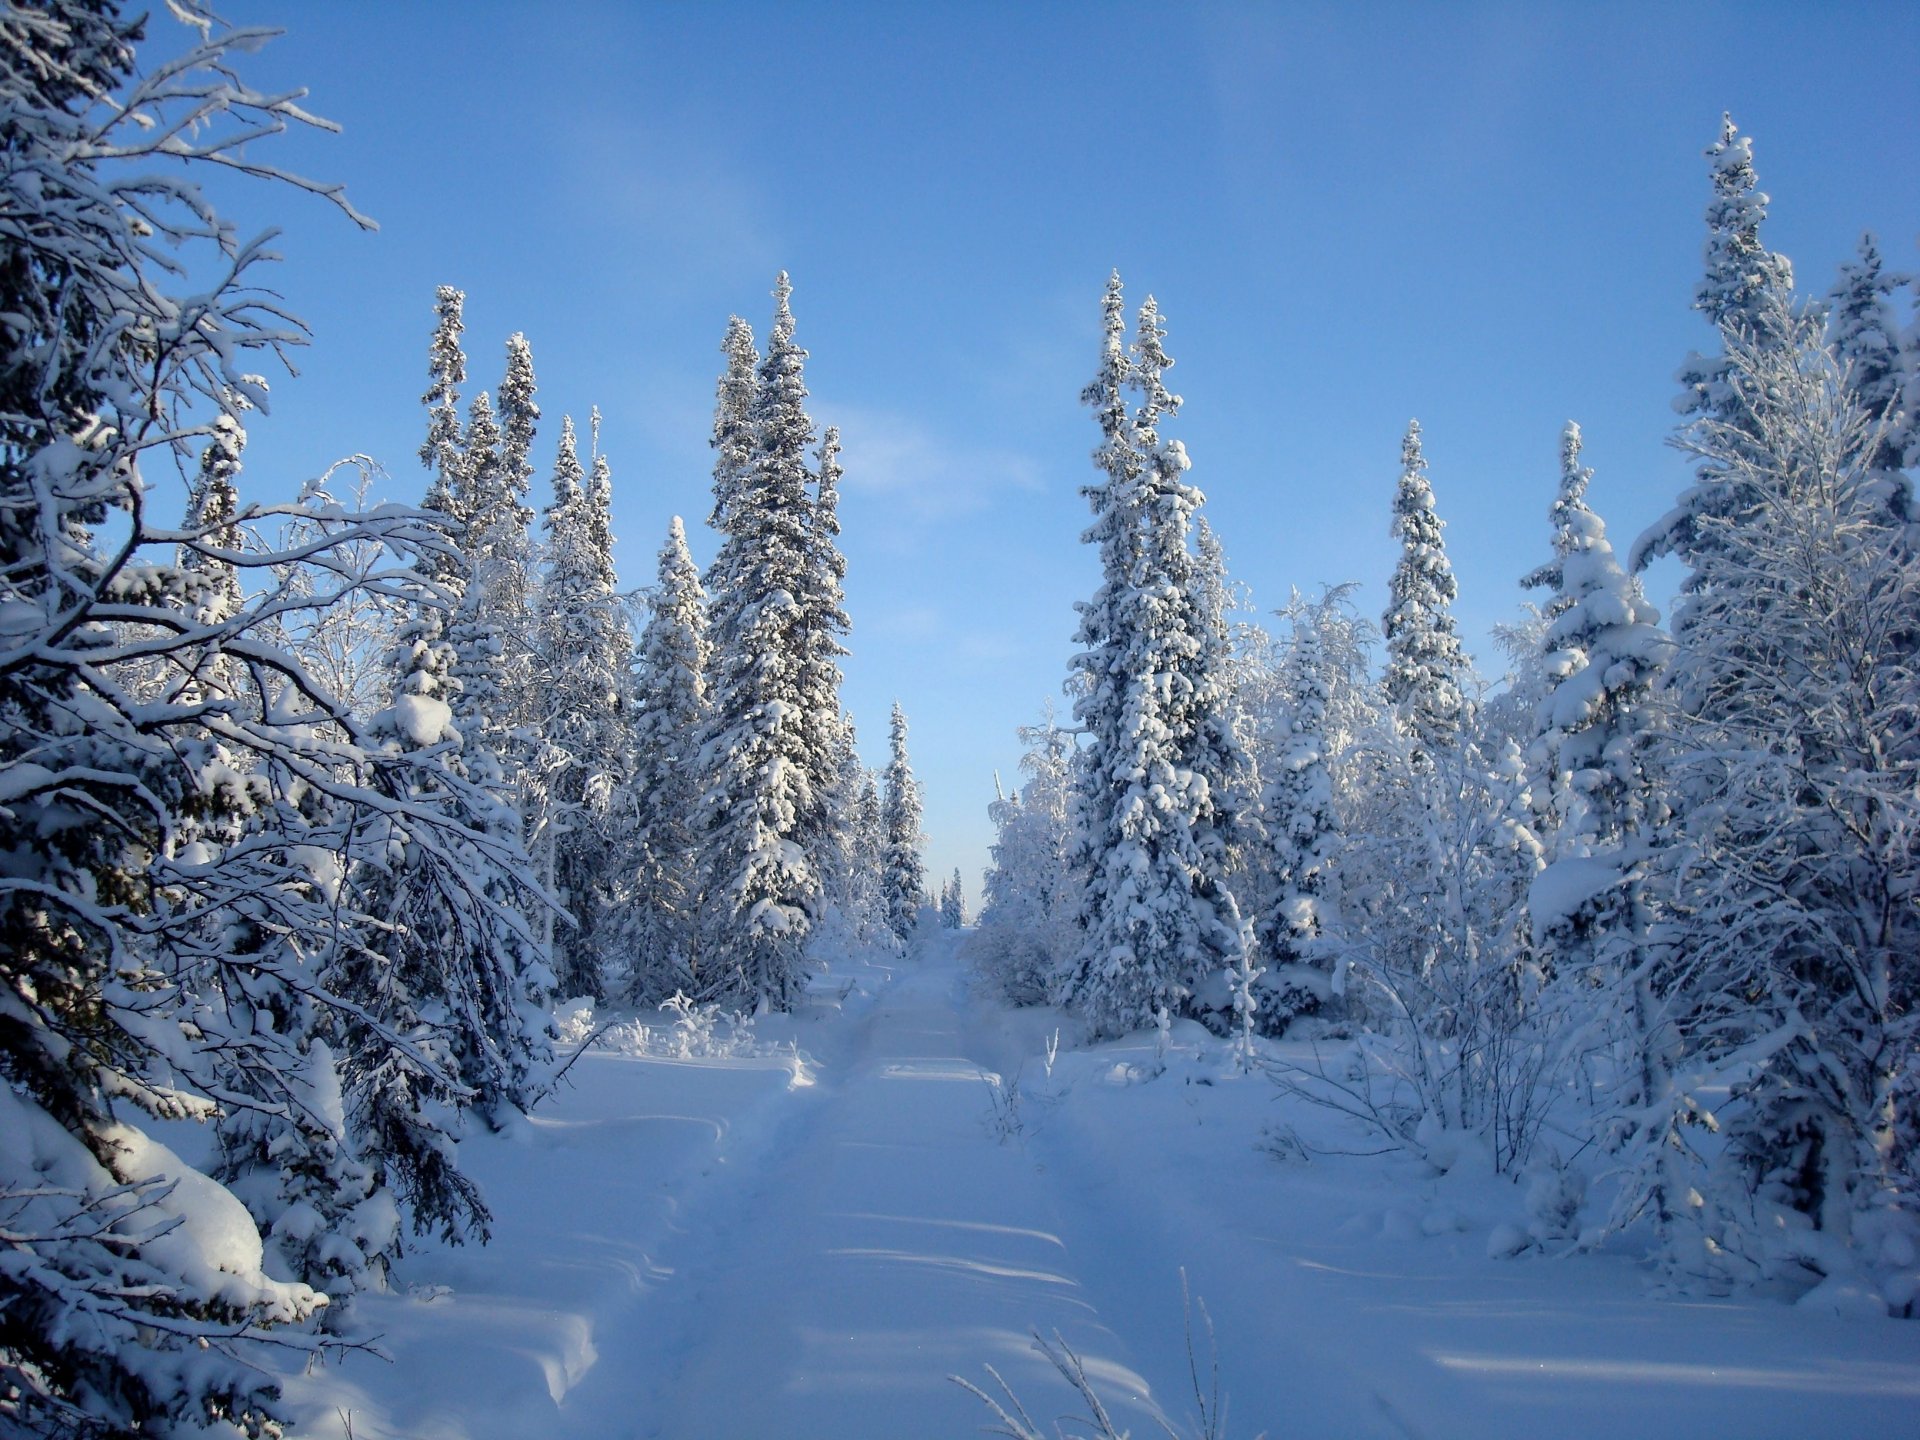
(422, 719)
(711, 1246)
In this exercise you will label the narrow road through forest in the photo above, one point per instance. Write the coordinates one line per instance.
(888, 1240)
(768, 1243)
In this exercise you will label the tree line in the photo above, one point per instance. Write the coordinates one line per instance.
(310, 811)
(1645, 918)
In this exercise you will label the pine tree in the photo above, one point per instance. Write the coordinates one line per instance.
(585, 651)
(903, 876)
(1866, 343)
(1589, 764)
(444, 450)
(1153, 800)
(670, 710)
(761, 890)
(1426, 678)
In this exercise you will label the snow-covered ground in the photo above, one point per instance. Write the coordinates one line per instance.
(807, 1243)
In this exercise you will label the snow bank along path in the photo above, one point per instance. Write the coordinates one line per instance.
(755, 1247)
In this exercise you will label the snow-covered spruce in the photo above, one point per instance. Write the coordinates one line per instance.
(1153, 804)
(1028, 926)
(761, 889)
(583, 710)
(903, 873)
(180, 905)
(1795, 948)
(1426, 675)
(657, 934)
(1588, 765)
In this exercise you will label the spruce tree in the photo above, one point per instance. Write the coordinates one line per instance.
(444, 450)
(1739, 273)
(1866, 343)
(1300, 926)
(904, 875)
(657, 931)
(1426, 676)
(1154, 795)
(585, 651)
(822, 620)
(1792, 768)
(761, 890)
(1031, 902)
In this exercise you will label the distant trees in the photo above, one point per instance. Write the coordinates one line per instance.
(903, 874)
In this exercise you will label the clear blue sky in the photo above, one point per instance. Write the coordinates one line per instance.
(1488, 217)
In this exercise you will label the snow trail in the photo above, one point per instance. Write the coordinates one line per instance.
(891, 1241)
(751, 1246)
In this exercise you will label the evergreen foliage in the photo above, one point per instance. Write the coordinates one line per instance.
(762, 888)
(1426, 668)
(903, 876)
(1155, 803)
(658, 929)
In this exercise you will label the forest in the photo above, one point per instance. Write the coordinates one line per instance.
(337, 830)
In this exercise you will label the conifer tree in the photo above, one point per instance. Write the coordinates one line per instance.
(1739, 273)
(174, 896)
(822, 620)
(1589, 764)
(444, 450)
(584, 656)
(1300, 927)
(1031, 900)
(904, 876)
(761, 889)
(1154, 800)
(658, 933)
(1866, 343)
(1426, 677)
(953, 903)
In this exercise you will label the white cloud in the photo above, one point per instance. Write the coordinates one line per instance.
(925, 477)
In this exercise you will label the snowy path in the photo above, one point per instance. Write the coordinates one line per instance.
(751, 1247)
(890, 1243)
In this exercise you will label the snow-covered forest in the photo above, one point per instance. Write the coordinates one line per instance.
(422, 942)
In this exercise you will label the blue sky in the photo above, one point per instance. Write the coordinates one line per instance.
(1488, 217)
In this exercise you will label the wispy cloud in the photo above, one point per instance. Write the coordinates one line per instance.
(925, 477)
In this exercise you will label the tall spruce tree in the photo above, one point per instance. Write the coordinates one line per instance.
(1426, 676)
(1738, 274)
(761, 890)
(1589, 763)
(1792, 768)
(658, 931)
(904, 875)
(1153, 793)
(444, 450)
(1866, 343)
(582, 665)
